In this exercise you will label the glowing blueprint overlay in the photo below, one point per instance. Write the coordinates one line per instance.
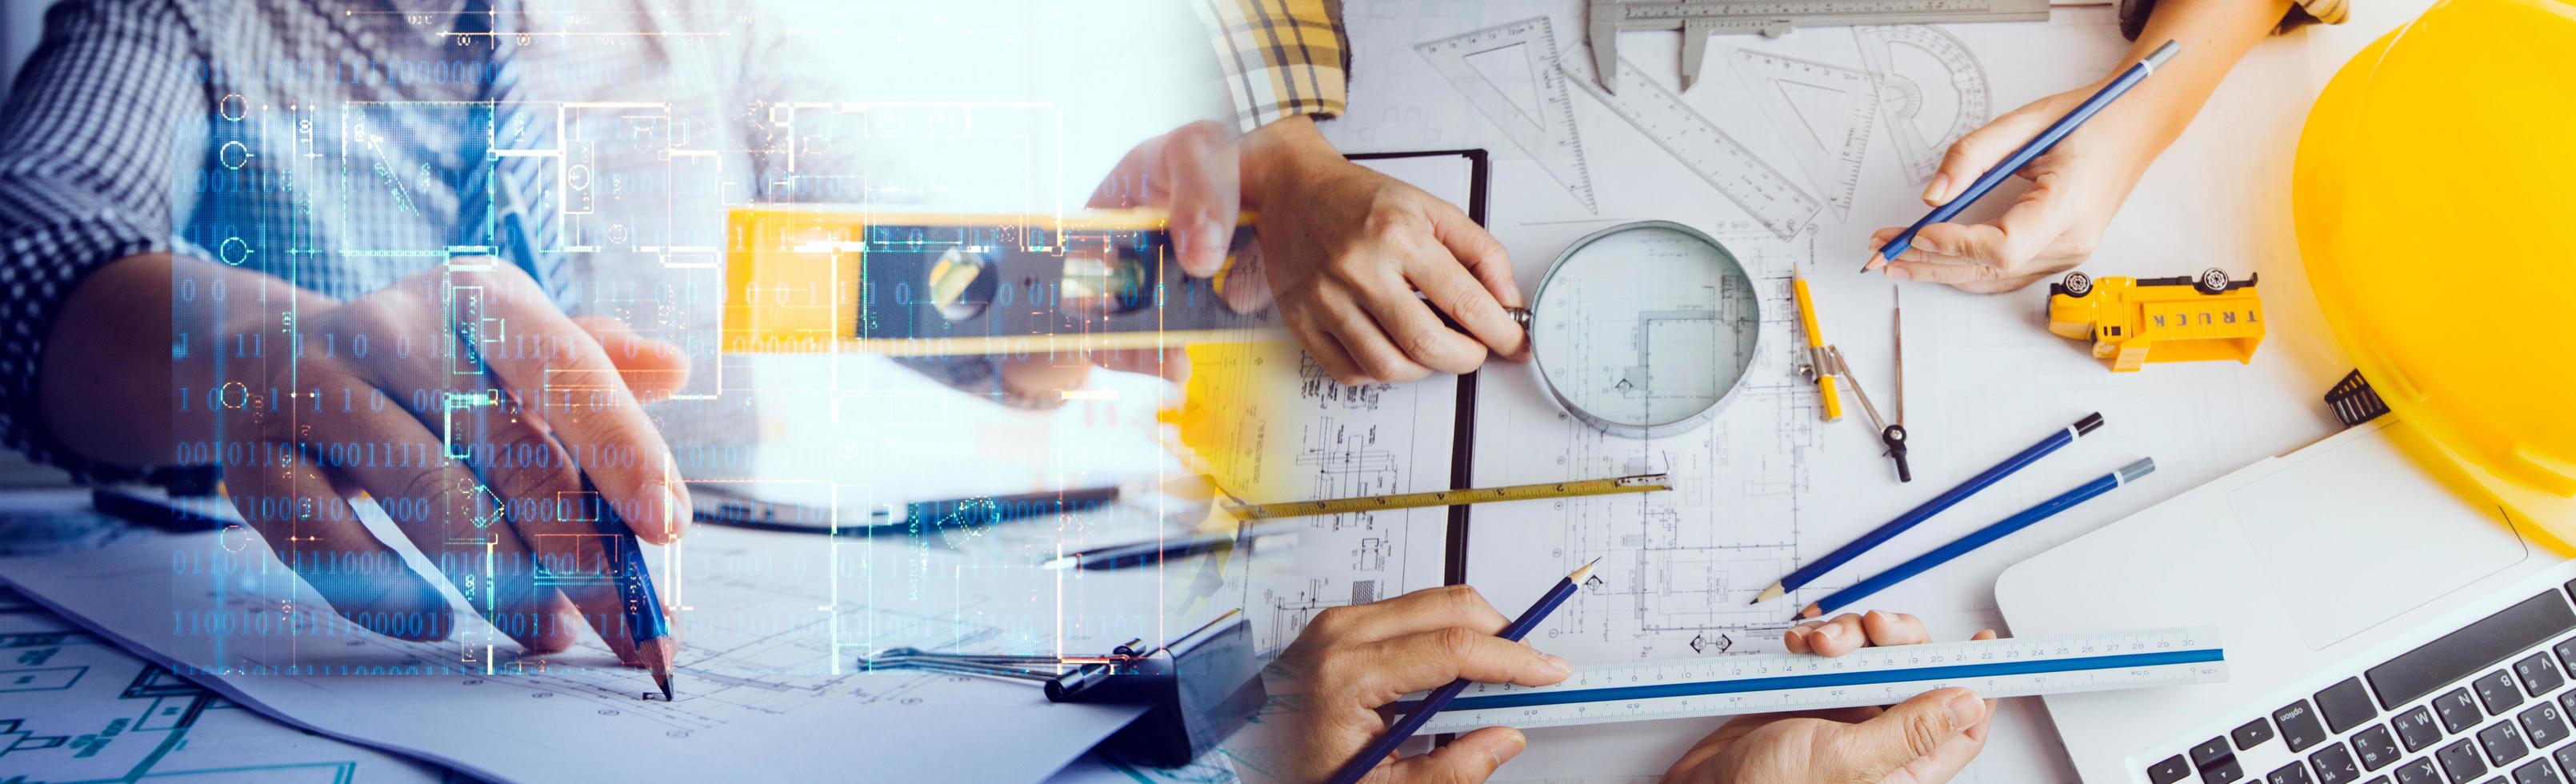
(769, 681)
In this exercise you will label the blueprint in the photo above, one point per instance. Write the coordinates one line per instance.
(1790, 151)
(770, 679)
(1303, 437)
(74, 707)
(1290, 433)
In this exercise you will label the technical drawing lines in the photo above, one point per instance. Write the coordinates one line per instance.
(1509, 73)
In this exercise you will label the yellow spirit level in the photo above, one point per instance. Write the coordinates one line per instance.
(803, 279)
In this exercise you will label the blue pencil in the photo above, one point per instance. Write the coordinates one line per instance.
(2037, 146)
(1358, 767)
(1841, 555)
(1978, 538)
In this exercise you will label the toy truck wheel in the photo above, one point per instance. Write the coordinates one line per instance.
(2077, 284)
(2213, 281)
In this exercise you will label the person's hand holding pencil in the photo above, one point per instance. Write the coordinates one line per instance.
(2078, 185)
(1350, 662)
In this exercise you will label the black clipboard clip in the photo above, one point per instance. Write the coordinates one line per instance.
(1199, 688)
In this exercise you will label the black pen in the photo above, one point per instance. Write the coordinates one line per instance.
(715, 505)
(1121, 556)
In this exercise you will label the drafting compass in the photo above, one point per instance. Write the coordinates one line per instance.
(1890, 434)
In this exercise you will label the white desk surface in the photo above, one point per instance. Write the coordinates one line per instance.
(1978, 366)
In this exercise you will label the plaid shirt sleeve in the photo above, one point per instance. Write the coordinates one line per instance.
(85, 156)
(1280, 58)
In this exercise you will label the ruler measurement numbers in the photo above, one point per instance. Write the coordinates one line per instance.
(1871, 676)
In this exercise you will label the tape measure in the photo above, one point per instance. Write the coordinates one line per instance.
(1642, 483)
(1871, 676)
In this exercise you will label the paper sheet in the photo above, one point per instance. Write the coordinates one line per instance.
(1768, 485)
(769, 683)
(1292, 434)
(1298, 436)
(77, 708)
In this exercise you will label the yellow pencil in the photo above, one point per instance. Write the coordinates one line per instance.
(1817, 367)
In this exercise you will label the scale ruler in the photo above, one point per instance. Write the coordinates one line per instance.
(1765, 683)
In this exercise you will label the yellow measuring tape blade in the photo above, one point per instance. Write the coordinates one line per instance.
(1643, 483)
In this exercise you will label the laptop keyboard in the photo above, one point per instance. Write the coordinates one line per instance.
(2488, 703)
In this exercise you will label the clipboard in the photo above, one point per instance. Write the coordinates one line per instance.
(1462, 450)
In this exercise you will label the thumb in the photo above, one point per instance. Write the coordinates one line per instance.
(652, 369)
(1981, 149)
(1470, 758)
(1912, 730)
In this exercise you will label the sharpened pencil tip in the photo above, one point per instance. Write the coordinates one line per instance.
(1770, 593)
(1579, 574)
(663, 679)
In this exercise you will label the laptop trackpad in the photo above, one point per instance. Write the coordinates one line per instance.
(2359, 534)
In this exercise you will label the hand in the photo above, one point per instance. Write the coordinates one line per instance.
(365, 407)
(1344, 247)
(1351, 661)
(2075, 189)
(1923, 740)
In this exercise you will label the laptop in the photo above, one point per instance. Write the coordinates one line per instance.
(2380, 627)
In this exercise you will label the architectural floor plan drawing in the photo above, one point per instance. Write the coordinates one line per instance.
(74, 707)
(1311, 439)
(771, 676)
(1677, 567)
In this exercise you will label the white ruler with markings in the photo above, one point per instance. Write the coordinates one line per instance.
(1765, 683)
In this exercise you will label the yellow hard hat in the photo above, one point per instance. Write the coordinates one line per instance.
(2435, 195)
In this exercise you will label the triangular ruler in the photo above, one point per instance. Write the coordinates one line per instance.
(1509, 73)
(1822, 112)
(1924, 118)
(1766, 195)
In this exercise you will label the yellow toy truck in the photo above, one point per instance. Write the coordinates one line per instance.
(2134, 322)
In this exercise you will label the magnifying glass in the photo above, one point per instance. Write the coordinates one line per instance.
(1644, 329)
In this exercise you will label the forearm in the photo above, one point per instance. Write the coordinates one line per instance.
(2214, 34)
(106, 388)
(1272, 153)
